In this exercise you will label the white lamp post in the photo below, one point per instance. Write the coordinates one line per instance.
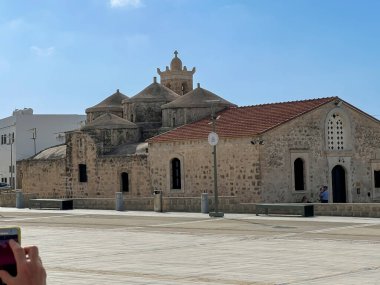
(213, 140)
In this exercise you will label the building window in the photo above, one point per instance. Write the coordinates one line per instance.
(335, 132)
(131, 117)
(184, 88)
(173, 122)
(82, 173)
(176, 173)
(377, 178)
(299, 180)
(124, 182)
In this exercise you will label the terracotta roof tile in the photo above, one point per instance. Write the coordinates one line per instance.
(244, 121)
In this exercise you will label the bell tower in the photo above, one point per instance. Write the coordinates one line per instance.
(178, 79)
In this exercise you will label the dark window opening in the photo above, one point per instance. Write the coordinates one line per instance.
(184, 88)
(124, 182)
(173, 122)
(176, 173)
(299, 183)
(82, 173)
(377, 178)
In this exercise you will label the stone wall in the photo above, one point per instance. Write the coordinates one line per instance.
(104, 172)
(104, 177)
(305, 138)
(9, 199)
(227, 204)
(238, 168)
(45, 177)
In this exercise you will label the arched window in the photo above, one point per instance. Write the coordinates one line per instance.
(124, 182)
(336, 132)
(299, 180)
(173, 122)
(176, 173)
(184, 88)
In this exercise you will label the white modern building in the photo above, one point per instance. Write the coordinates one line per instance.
(24, 134)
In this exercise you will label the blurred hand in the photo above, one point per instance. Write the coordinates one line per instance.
(30, 270)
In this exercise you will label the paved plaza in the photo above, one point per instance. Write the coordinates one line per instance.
(110, 247)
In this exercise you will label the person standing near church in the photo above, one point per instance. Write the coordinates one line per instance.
(324, 195)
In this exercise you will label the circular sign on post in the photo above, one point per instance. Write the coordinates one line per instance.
(213, 138)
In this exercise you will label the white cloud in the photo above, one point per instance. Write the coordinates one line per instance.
(42, 51)
(126, 3)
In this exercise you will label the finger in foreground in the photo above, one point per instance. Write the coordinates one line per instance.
(5, 277)
(18, 251)
(32, 252)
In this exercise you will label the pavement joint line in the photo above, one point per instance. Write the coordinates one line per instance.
(194, 278)
(340, 228)
(362, 269)
(38, 218)
(314, 231)
(322, 230)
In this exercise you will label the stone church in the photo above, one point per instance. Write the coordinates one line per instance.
(157, 140)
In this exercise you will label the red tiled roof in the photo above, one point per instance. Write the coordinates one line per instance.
(244, 121)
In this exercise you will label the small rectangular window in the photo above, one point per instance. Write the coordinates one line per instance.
(377, 178)
(82, 173)
(124, 182)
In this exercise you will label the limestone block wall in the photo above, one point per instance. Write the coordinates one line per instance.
(183, 116)
(238, 168)
(365, 158)
(81, 149)
(109, 138)
(9, 199)
(104, 177)
(227, 204)
(47, 178)
(305, 137)
(103, 171)
(140, 111)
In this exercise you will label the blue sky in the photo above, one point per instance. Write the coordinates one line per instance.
(63, 56)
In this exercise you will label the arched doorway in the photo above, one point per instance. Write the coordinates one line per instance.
(338, 175)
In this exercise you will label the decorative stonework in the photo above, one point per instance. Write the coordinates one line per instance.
(178, 79)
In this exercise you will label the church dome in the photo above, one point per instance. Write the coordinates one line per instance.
(111, 103)
(155, 92)
(109, 121)
(197, 98)
(176, 63)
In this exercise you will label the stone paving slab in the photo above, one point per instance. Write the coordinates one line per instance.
(109, 247)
